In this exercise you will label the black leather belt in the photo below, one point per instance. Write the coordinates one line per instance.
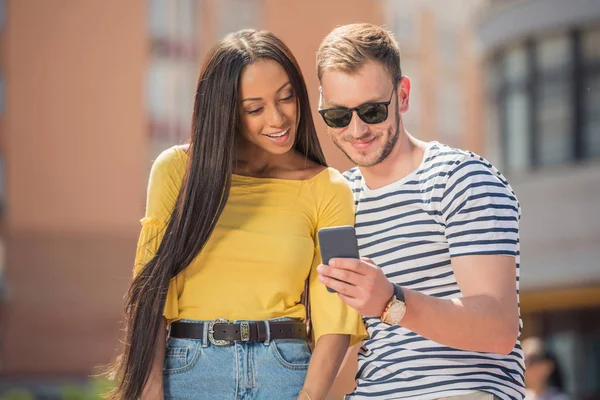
(222, 332)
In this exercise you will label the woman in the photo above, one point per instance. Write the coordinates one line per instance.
(229, 239)
(542, 374)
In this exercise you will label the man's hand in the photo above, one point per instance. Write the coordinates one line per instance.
(360, 283)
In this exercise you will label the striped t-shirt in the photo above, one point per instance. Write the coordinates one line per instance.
(455, 203)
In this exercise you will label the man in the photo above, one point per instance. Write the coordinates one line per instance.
(438, 228)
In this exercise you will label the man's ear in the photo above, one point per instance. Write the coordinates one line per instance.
(403, 94)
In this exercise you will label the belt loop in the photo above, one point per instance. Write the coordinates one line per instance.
(205, 334)
(267, 333)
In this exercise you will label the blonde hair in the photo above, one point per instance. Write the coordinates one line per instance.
(348, 47)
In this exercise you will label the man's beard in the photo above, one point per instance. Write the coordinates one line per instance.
(387, 147)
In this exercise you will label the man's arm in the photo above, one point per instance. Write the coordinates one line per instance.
(485, 319)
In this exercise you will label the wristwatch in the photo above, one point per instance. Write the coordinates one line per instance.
(396, 308)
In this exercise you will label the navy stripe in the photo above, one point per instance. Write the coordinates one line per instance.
(363, 224)
(487, 207)
(435, 165)
(481, 219)
(396, 237)
(413, 257)
(427, 267)
(449, 153)
(428, 278)
(483, 242)
(446, 293)
(488, 196)
(401, 247)
(440, 174)
(401, 192)
(391, 206)
(431, 287)
(481, 232)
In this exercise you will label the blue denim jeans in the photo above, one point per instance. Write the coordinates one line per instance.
(196, 369)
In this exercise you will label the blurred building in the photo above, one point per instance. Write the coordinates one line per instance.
(90, 93)
(542, 89)
(439, 55)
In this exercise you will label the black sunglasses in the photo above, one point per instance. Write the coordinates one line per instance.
(370, 113)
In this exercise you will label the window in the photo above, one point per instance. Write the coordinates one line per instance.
(186, 19)
(517, 110)
(172, 72)
(157, 14)
(553, 96)
(541, 118)
(591, 125)
(515, 70)
(517, 127)
(591, 92)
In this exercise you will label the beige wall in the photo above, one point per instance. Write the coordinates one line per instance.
(75, 143)
(75, 114)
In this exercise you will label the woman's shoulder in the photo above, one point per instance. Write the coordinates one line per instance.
(169, 167)
(328, 176)
(174, 158)
(329, 184)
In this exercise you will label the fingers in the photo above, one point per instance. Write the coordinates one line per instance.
(345, 275)
(339, 286)
(368, 261)
(352, 264)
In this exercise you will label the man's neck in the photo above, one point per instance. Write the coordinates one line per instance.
(406, 156)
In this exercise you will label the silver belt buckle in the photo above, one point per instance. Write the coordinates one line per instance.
(245, 331)
(211, 332)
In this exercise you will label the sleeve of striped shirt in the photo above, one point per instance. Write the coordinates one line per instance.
(480, 210)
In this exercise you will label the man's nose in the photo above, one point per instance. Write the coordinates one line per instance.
(357, 126)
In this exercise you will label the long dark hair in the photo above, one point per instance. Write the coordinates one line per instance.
(205, 190)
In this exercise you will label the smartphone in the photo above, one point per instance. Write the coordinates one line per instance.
(338, 242)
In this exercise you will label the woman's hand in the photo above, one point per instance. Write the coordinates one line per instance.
(324, 365)
(153, 390)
